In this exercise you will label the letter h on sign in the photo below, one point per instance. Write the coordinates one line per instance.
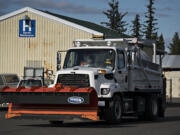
(26, 24)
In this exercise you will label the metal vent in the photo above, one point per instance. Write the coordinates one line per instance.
(34, 63)
(78, 80)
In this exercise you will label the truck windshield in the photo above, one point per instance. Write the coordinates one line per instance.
(30, 83)
(97, 58)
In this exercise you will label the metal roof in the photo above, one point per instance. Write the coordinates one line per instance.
(171, 62)
(108, 33)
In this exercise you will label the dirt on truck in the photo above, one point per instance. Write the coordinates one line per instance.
(100, 80)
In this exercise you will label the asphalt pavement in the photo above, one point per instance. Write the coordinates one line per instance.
(170, 125)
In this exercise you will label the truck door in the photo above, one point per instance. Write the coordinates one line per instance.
(121, 72)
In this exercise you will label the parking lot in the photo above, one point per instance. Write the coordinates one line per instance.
(170, 125)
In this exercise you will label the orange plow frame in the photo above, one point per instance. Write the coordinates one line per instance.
(84, 111)
(89, 114)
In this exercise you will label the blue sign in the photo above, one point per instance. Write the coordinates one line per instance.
(27, 28)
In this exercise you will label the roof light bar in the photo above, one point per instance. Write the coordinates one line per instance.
(98, 36)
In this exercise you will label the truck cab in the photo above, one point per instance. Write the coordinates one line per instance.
(105, 66)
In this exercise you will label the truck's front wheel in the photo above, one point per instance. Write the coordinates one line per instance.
(114, 112)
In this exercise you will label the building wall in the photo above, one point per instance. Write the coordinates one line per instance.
(173, 83)
(39, 51)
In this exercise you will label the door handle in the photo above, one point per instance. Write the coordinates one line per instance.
(126, 78)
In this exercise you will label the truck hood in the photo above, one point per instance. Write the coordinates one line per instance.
(83, 70)
(94, 82)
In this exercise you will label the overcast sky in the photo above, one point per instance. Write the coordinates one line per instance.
(167, 11)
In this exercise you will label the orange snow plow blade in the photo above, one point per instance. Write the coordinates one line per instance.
(56, 103)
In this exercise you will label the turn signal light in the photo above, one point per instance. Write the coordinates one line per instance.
(102, 71)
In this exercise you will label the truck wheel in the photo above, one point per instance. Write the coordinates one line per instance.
(152, 108)
(114, 113)
(141, 116)
(162, 110)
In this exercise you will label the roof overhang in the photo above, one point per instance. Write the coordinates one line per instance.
(171, 69)
(51, 17)
(160, 52)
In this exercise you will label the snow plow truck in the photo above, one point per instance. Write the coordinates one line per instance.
(101, 79)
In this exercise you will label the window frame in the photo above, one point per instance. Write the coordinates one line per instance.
(124, 60)
(10, 82)
(68, 56)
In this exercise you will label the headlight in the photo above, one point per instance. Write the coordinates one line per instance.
(105, 91)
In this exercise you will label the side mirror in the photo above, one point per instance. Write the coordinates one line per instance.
(58, 60)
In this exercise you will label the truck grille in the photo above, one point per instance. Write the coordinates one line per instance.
(78, 80)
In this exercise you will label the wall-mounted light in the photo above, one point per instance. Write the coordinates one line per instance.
(26, 23)
(26, 17)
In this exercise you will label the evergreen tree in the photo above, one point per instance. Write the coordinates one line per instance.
(150, 24)
(160, 43)
(136, 27)
(175, 45)
(115, 17)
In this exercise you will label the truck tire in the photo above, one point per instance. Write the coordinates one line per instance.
(141, 116)
(162, 109)
(152, 108)
(162, 112)
(114, 114)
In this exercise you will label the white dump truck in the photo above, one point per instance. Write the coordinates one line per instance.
(102, 79)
